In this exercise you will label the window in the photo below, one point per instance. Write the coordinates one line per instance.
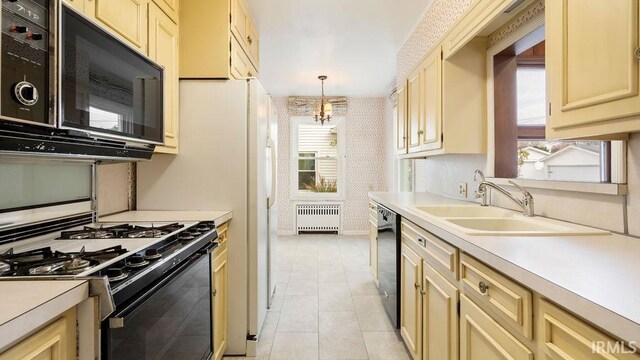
(317, 161)
(520, 108)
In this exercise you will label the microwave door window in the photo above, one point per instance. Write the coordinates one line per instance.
(109, 88)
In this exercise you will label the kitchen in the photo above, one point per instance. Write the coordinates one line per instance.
(155, 206)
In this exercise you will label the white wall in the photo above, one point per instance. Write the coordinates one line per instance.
(365, 166)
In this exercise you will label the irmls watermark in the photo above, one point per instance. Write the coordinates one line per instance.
(614, 347)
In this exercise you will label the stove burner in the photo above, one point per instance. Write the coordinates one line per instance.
(152, 231)
(136, 261)
(185, 237)
(77, 264)
(4, 267)
(195, 232)
(120, 231)
(116, 274)
(152, 254)
(203, 228)
(46, 269)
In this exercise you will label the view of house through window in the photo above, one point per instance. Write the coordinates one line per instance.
(521, 148)
(318, 150)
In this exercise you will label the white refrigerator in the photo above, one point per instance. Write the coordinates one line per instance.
(227, 161)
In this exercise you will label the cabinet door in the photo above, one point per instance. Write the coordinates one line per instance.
(482, 338)
(253, 44)
(219, 278)
(126, 18)
(241, 67)
(401, 120)
(77, 4)
(163, 48)
(240, 19)
(592, 67)
(440, 317)
(170, 7)
(432, 99)
(56, 341)
(415, 111)
(373, 247)
(411, 301)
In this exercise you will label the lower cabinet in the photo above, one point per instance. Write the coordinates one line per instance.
(219, 277)
(439, 316)
(482, 338)
(56, 341)
(411, 300)
(373, 247)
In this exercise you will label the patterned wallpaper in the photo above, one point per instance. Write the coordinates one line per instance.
(435, 23)
(365, 168)
(522, 18)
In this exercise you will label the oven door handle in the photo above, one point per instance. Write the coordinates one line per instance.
(118, 320)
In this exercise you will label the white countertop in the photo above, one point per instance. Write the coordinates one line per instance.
(593, 276)
(219, 217)
(28, 304)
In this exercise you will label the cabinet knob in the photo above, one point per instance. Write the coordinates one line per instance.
(215, 291)
(483, 288)
(249, 40)
(637, 53)
(416, 285)
(420, 132)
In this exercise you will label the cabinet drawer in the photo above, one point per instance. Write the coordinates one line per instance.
(373, 209)
(564, 337)
(510, 302)
(241, 66)
(439, 254)
(482, 338)
(373, 220)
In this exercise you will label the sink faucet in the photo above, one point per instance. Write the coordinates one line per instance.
(526, 203)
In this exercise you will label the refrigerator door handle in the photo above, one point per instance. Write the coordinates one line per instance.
(274, 175)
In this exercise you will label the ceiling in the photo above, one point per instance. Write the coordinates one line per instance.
(353, 42)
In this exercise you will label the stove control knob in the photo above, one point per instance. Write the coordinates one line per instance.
(26, 93)
(34, 36)
(19, 29)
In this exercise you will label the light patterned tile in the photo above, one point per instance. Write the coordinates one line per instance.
(295, 346)
(385, 346)
(335, 297)
(299, 314)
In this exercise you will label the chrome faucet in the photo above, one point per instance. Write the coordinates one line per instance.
(526, 203)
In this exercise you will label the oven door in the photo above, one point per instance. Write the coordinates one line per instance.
(107, 88)
(170, 320)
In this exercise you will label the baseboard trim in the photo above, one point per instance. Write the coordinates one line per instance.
(355, 232)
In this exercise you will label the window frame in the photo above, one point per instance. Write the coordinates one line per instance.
(295, 193)
(617, 185)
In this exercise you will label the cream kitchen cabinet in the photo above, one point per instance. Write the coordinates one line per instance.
(219, 278)
(401, 119)
(445, 104)
(56, 341)
(218, 40)
(76, 4)
(411, 300)
(163, 48)
(593, 68)
(127, 19)
(373, 241)
(169, 7)
(561, 336)
(482, 338)
(439, 316)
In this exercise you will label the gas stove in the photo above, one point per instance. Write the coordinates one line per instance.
(123, 253)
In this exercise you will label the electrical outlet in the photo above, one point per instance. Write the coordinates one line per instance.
(462, 189)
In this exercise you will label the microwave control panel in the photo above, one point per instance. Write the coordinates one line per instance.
(26, 77)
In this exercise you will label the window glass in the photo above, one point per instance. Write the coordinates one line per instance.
(318, 166)
(531, 95)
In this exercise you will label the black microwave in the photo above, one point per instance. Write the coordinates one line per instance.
(106, 87)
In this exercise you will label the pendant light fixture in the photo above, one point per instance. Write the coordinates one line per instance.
(324, 110)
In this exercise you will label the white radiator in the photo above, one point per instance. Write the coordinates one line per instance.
(318, 218)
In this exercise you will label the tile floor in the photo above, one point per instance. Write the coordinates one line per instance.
(326, 304)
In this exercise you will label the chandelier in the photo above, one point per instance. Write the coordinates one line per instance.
(324, 110)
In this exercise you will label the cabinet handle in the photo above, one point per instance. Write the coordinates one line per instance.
(249, 40)
(483, 288)
(637, 53)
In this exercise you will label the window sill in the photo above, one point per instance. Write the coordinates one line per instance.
(582, 187)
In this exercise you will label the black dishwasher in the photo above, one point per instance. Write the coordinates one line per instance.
(389, 262)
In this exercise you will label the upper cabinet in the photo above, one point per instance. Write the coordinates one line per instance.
(593, 56)
(126, 18)
(441, 104)
(219, 41)
(169, 7)
(163, 48)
